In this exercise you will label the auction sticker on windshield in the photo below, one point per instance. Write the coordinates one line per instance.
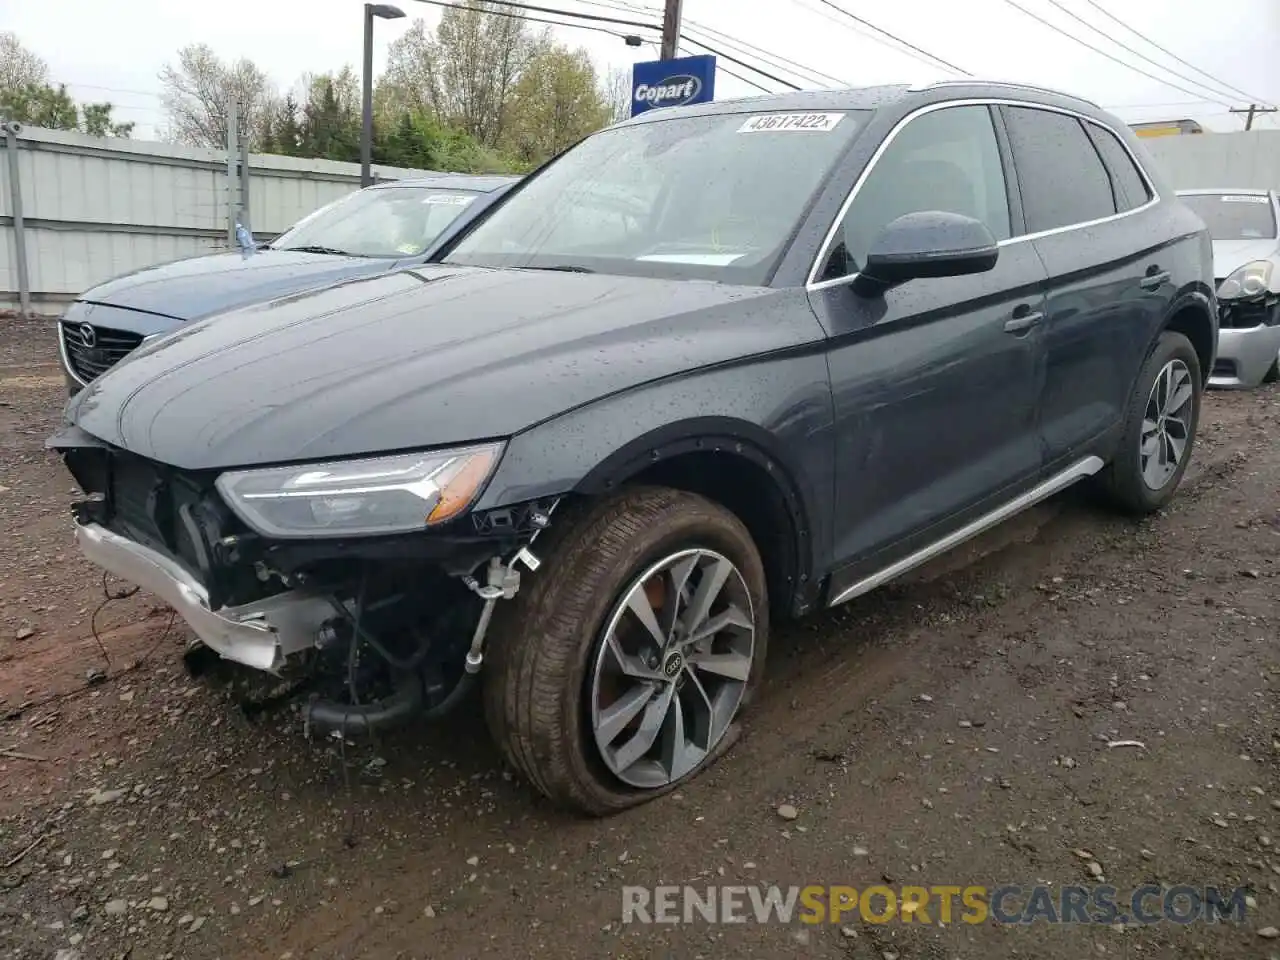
(779, 122)
(455, 199)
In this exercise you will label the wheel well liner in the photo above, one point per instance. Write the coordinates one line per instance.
(729, 462)
(1191, 315)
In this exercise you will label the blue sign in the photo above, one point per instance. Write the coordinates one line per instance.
(672, 83)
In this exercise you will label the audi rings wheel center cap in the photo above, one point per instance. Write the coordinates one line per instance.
(672, 665)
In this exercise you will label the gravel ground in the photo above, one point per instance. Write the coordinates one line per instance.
(950, 729)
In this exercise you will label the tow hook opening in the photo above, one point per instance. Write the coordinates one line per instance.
(384, 685)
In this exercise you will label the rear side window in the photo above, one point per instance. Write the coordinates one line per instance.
(1131, 188)
(1062, 178)
(946, 159)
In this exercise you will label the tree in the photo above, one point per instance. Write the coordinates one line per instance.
(616, 93)
(198, 91)
(465, 73)
(555, 103)
(19, 67)
(44, 105)
(330, 125)
(26, 95)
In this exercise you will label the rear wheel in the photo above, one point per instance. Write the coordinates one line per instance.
(618, 671)
(1159, 428)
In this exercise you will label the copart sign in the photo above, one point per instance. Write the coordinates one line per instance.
(672, 83)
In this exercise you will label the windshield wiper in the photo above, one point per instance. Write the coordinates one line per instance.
(312, 248)
(564, 268)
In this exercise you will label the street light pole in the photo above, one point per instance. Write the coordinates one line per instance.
(385, 12)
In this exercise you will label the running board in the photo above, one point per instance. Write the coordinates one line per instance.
(1058, 482)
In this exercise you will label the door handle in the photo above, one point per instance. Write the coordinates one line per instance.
(1154, 279)
(1022, 323)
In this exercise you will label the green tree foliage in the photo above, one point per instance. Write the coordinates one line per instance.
(555, 103)
(26, 95)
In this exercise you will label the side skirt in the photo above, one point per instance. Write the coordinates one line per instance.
(1055, 484)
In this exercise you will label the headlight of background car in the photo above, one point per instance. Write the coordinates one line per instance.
(1248, 281)
(396, 494)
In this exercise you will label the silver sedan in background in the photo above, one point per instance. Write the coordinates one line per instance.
(1246, 268)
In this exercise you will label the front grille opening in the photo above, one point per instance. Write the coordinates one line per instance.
(92, 351)
(1225, 368)
(1246, 315)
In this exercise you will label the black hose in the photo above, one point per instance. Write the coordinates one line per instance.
(328, 716)
(455, 697)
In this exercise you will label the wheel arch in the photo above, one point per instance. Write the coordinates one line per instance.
(738, 465)
(1193, 314)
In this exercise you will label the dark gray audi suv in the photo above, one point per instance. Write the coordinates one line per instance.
(710, 367)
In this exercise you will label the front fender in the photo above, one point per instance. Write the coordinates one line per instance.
(776, 411)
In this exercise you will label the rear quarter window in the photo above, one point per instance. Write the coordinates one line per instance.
(1131, 188)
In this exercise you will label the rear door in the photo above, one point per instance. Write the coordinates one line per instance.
(935, 381)
(1090, 216)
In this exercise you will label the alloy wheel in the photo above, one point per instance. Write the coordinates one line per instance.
(672, 667)
(1166, 424)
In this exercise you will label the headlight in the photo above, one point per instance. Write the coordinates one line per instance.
(1248, 281)
(396, 494)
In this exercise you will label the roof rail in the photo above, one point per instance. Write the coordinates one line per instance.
(1004, 83)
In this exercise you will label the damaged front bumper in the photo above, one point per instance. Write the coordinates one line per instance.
(262, 634)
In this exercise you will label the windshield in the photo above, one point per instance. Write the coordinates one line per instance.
(1234, 216)
(713, 197)
(379, 222)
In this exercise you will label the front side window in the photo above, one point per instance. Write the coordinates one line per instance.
(945, 160)
(1061, 175)
(1234, 216)
(714, 197)
(379, 222)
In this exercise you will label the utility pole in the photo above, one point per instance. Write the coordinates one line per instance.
(671, 30)
(1252, 111)
(233, 151)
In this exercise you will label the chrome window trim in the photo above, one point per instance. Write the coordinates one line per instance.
(811, 283)
(62, 354)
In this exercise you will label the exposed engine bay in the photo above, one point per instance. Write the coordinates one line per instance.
(380, 630)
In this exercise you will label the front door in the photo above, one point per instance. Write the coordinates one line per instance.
(935, 381)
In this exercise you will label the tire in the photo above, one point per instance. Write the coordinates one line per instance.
(1123, 479)
(546, 652)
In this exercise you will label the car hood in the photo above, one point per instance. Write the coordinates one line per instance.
(420, 358)
(1229, 255)
(202, 286)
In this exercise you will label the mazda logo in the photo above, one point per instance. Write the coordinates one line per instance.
(87, 335)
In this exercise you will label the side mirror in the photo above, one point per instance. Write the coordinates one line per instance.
(928, 243)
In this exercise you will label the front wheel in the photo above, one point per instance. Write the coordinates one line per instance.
(617, 673)
(1159, 427)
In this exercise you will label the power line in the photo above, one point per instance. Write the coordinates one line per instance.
(894, 37)
(742, 63)
(1103, 53)
(776, 59)
(1167, 52)
(558, 12)
(526, 17)
(1124, 46)
(738, 76)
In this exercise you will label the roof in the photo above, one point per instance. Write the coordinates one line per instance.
(864, 98)
(481, 183)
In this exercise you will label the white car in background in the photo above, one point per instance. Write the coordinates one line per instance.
(1246, 269)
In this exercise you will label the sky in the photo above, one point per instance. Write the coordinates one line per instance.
(114, 51)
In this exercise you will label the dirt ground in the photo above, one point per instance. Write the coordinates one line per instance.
(952, 729)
